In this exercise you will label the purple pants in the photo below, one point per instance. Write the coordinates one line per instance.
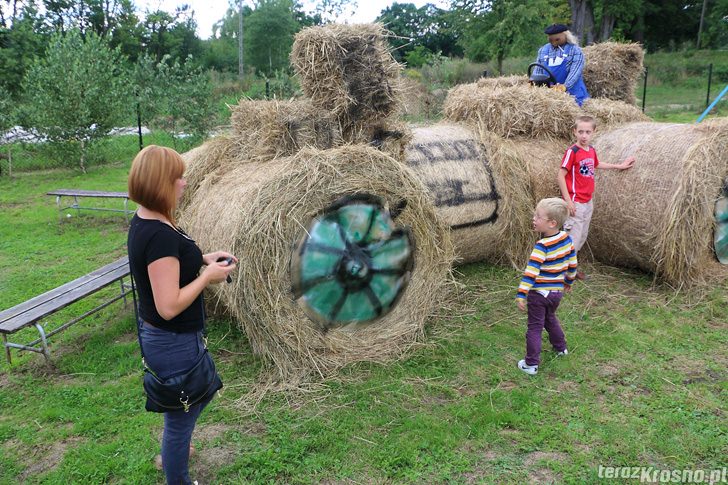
(542, 314)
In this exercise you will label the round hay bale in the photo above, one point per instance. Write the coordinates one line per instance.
(610, 114)
(349, 71)
(479, 189)
(659, 215)
(513, 111)
(258, 211)
(281, 128)
(612, 69)
(200, 162)
(502, 81)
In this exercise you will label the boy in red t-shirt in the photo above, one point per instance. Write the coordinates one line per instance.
(576, 181)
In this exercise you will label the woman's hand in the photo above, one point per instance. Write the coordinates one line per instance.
(217, 272)
(210, 258)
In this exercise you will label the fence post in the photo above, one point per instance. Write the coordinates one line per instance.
(267, 88)
(710, 78)
(644, 91)
(139, 126)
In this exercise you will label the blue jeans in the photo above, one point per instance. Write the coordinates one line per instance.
(167, 353)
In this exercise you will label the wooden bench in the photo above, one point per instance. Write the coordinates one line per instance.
(76, 194)
(31, 312)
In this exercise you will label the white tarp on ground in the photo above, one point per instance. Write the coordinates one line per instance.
(19, 134)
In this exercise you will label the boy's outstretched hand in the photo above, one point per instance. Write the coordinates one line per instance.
(628, 162)
(521, 302)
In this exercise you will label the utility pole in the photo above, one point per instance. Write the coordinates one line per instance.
(240, 41)
(702, 18)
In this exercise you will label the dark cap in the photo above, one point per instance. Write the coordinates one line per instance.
(555, 29)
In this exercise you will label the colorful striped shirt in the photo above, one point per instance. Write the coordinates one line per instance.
(551, 265)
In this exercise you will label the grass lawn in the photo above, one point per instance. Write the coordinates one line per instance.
(644, 385)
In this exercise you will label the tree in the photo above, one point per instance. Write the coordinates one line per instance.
(269, 34)
(188, 97)
(330, 10)
(427, 27)
(77, 93)
(20, 44)
(220, 52)
(715, 34)
(174, 96)
(582, 20)
(496, 29)
(171, 34)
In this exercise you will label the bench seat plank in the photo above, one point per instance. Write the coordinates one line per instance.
(27, 313)
(88, 193)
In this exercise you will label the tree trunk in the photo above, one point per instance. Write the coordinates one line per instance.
(582, 20)
(607, 27)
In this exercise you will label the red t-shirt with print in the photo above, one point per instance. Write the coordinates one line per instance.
(580, 165)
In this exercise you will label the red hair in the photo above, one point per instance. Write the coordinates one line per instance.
(152, 178)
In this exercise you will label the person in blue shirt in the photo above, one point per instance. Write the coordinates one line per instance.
(563, 57)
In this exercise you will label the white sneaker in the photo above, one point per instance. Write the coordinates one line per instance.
(562, 353)
(528, 369)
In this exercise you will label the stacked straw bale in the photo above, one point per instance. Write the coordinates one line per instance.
(611, 70)
(523, 111)
(513, 111)
(417, 100)
(262, 208)
(610, 113)
(502, 81)
(281, 128)
(479, 189)
(349, 71)
(659, 215)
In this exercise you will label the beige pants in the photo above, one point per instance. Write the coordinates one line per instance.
(578, 225)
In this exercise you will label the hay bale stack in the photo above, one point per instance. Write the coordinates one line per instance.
(610, 114)
(612, 70)
(502, 81)
(480, 190)
(659, 216)
(416, 99)
(513, 111)
(272, 129)
(349, 71)
(263, 207)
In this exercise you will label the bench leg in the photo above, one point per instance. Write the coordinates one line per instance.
(7, 349)
(126, 214)
(123, 293)
(46, 352)
(58, 204)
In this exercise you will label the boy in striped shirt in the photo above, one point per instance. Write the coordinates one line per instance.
(576, 181)
(550, 271)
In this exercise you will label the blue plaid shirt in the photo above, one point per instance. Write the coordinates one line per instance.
(576, 62)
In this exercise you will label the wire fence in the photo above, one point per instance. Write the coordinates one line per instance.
(656, 97)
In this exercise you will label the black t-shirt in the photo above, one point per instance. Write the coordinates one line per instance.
(148, 241)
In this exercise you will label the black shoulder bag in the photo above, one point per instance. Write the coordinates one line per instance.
(182, 390)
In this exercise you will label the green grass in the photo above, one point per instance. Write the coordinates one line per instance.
(645, 383)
